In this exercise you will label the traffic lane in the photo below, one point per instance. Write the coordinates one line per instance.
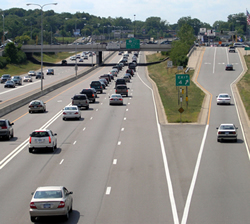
(219, 81)
(137, 190)
(221, 193)
(43, 173)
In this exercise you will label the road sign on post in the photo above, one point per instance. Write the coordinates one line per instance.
(182, 80)
(133, 43)
(170, 64)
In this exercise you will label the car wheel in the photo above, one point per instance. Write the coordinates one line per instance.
(126, 95)
(218, 140)
(79, 118)
(52, 149)
(30, 150)
(71, 209)
(93, 100)
(66, 217)
(32, 218)
(235, 140)
(87, 107)
(12, 135)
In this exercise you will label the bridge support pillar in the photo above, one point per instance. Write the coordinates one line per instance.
(99, 57)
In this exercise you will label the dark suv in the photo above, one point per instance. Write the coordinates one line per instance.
(97, 85)
(80, 100)
(90, 94)
(120, 82)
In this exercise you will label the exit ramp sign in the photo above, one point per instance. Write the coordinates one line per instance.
(182, 80)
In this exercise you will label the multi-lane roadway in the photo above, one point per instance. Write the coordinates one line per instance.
(123, 166)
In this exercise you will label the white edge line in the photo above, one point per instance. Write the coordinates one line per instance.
(191, 189)
(165, 161)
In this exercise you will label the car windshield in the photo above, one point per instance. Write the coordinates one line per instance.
(40, 134)
(227, 127)
(2, 123)
(48, 194)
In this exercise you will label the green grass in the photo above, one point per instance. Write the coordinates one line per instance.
(244, 87)
(65, 39)
(25, 68)
(165, 81)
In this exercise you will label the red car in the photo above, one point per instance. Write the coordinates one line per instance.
(229, 67)
(130, 71)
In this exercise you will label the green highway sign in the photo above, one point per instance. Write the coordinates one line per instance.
(182, 80)
(247, 48)
(133, 43)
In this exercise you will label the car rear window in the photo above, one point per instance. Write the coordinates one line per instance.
(48, 194)
(95, 83)
(2, 123)
(35, 103)
(40, 134)
(121, 87)
(79, 97)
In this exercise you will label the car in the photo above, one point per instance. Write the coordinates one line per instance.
(115, 99)
(104, 83)
(9, 84)
(42, 139)
(227, 132)
(71, 112)
(97, 85)
(6, 129)
(131, 71)
(85, 57)
(72, 58)
(27, 78)
(78, 56)
(94, 90)
(37, 106)
(90, 94)
(107, 77)
(5, 78)
(64, 62)
(229, 67)
(114, 72)
(17, 80)
(50, 201)
(121, 89)
(132, 65)
(120, 82)
(39, 75)
(237, 44)
(80, 100)
(81, 60)
(32, 73)
(223, 98)
(126, 77)
(50, 71)
(120, 53)
(231, 49)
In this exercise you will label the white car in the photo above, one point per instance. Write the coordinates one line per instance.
(50, 201)
(223, 98)
(27, 78)
(72, 58)
(227, 132)
(71, 112)
(42, 139)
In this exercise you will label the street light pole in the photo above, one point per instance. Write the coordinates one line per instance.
(3, 27)
(134, 26)
(41, 6)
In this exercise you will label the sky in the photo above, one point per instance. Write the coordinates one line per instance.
(169, 11)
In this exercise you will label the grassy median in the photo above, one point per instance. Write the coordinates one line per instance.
(243, 86)
(165, 81)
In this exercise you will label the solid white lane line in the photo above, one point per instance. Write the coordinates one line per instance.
(119, 143)
(122, 129)
(61, 161)
(74, 143)
(165, 161)
(191, 189)
(108, 190)
(115, 161)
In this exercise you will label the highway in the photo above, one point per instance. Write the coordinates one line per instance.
(123, 166)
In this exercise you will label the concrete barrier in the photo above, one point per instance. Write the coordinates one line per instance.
(19, 102)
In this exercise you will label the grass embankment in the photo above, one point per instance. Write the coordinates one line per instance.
(65, 40)
(243, 87)
(25, 68)
(165, 81)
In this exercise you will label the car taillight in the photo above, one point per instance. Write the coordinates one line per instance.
(92, 95)
(30, 106)
(111, 99)
(120, 99)
(32, 205)
(116, 90)
(219, 132)
(4, 127)
(127, 90)
(234, 132)
(30, 139)
(49, 139)
(76, 112)
(61, 205)
(72, 102)
(64, 113)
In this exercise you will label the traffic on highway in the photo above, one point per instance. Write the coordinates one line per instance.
(105, 158)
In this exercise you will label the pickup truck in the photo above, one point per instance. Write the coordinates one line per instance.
(80, 100)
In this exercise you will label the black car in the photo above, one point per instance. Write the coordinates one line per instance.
(5, 78)
(64, 62)
(120, 82)
(9, 84)
(39, 75)
(89, 93)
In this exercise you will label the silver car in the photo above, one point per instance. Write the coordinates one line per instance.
(115, 99)
(42, 139)
(227, 132)
(37, 106)
(50, 201)
(223, 98)
(17, 80)
(27, 78)
(32, 73)
(71, 112)
(6, 129)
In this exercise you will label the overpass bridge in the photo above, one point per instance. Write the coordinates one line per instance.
(98, 48)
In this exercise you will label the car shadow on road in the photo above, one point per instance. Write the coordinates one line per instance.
(239, 141)
(46, 151)
(73, 219)
(11, 140)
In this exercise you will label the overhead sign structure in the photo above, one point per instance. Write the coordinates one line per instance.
(133, 43)
(114, 46)
(182, 80)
